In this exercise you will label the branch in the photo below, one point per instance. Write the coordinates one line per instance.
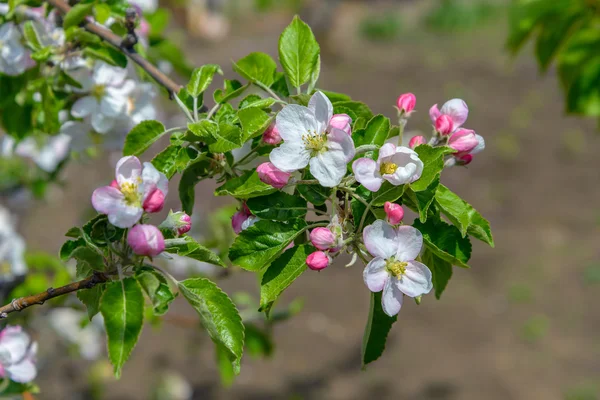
(28, 301)
(116, 41)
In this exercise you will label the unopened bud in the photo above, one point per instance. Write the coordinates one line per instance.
(416, 141)
(271, 135)
(322, 238)
(154, 202)
(178, 222)
(271, 175)
(342, 122)
(464, 159)
(463, 140)
(444, 124)
(318, 260)
(146, 240)
(406, 103)
(243, 219)
(394, 212)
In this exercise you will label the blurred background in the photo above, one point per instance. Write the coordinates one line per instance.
(521, 324)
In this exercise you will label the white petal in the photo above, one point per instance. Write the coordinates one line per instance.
(126, 216)
(410, 167)
(290, 156)
(101, 123)
(128, 169)
(23, 372)
(152, 178)
(480, 146)
(365, 172)
(84, 107)
(320, 105)
(294, 121)
(328, 168)
(387, 150)
(105, 74)
(391, 300)
(416, 280)
(409, 243)
(54, 152)
(340, 141)
(107, 199)
(375, 275)
(15, 342)
(457, 110)
(381, 239)
(112, 104)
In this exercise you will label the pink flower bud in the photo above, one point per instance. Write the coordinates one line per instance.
(271, 135)
(154, 202)
(146, 240)
(406, 103)
(444, 124)
(464, 159)
(416, 141)
(243, 219)
(271, 175)
(144, 28)
(318, 260)
(322, 238)
(463, 140)
(114, 184)
(342, 122)
(178, 222)
(394, 212)
(186, 224)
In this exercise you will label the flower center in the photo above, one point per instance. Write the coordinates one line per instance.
(387, 168)
(131, 194)
(396, 268)
(98, 91)
(315, 143)
(130, 105)
(5, 268)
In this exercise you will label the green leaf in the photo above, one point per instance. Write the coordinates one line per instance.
(245, 186)
(258, 341)
(298, 52)
(206, 130)
(278, 206)
(77, 14)
(254, 121)
(68, 247)
(433, 164)
(91, 299)
(378, 326)
(257, 67)
(232, 89)
(315, 194)
(193, 174)
(280, 85)
(376, 132)
(256, 247)
(254, 100)
(104, 53)
(218, 315)
(157, 289)
(226, 371)
(31, 36)
(423, 200)
(141, 137)
(168, 160)
(88, 258)
(360, 110)
(281, 273)
(445, 241)
(387, 192)
(463, 215)
(227, 138)
(102, 12)
(441, 271)
(314, 77)
(202, 78)
(122, 306)
(188, 247)
(335, 97)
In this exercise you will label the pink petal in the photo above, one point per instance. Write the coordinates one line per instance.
(365, 172)
(107, 199)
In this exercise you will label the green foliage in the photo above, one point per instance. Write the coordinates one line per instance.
(445, 241)
(278, 206)
(254, 120)
(193, 174)
(189, 247)
(258, 68)
(376, 331)
(245, 186)
(141, 137)
(440, 269)
(157, 289)
(77, 14)
(202, 78)
(433, 160)
(298, 53)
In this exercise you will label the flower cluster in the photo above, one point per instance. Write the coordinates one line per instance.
(17, 355)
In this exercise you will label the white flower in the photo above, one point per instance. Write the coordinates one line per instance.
(397, 165)
(46, 152)
(80, 133)
(12, 249)
(88, 339)
(108, 92)
(140, 103)
(308, 139)
(17, 355)
(134, 191)
(394, 269)
(147, 6)
(14, 57)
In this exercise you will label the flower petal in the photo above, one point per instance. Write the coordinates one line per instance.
(101, 123)
(387, 150)
(112, 105)
(416, 280)
(375, 274)
(340, 141)
(329, 167)
(105, 74)
(381, 239)
(410, 167)
(409, 243)
(480, 145)
(290, 156)
(294, 121)
(434, 113)
(153, 179)
(125, 216)
(365, 172)
(128, 169)
(321, 107)
(107, 199)
(457, 110)
(391, 300)
(15, 342)
(22, 372)
(84, 107)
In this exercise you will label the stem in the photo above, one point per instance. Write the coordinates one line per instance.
(28, 301)
(213, 110)
(269, 91)
(165, 273)
(364, 217)
(401, 125)
(195, 109)
(245, 159)
(184, 109)
(366, 147)
(115, 40)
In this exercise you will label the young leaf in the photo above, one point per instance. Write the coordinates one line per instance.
(232, 89)
(157, 289)
(278, 206)
(360, 110)
(441, 271)
(68, 247)
(122, 306)
(189, 247)
(423, 200)
(445, 241)
(141, 137)
(254, 100)
(376, 331)
(387, 192)
(193, 174)
(298, 52)
(206, 130)
(376, 132)
(315, 194)
(281, 273)
(314, 77)
(202, 78)
(227, 138)
(77, 14)
(166, 160)
(105, 53)
(31, 36)
(245, 186)
(254, 121)
(218, 315)
(257, 67)
(433, 164)
(91, 299)
(88, 258)
(255, 247)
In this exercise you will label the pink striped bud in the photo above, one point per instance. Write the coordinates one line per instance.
(406, 103)
(463, 140)
(318, 260)
(342, 122)
(271, 175)
(186, 224)
(146, 240)
(178, 222)
(271, 135)
(416, 141)
(444, 124)
(394, 212)
(322, 238)
(154, 202)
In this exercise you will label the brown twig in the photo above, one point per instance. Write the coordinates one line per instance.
(117, 42)
(28, 301)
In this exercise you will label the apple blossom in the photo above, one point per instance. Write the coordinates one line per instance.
(107, 95)
(342, 122)
(455, 109)
(14, 57)
(318, 260)
(140, 104)
(12, 248)
(444, 125)
(397, 165)
(271, 135)
(146, 240)
(17, 355)
(406, 103)
(416, 141)
(271, 175)
(243, 219)
(322, 238)
(47, 153)
(308, 139)
(463, 140)
(394, 212)
(140, 189)
(178, 222)
(87, 338)
(394, 269)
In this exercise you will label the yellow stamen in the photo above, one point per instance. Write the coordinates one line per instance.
(5, 268)
(132, 196)
(387, 168)
(314, 142)
(98, 91)
(396, 268)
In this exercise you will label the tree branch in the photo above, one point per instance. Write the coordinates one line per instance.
(28, 301)
(116, 41)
